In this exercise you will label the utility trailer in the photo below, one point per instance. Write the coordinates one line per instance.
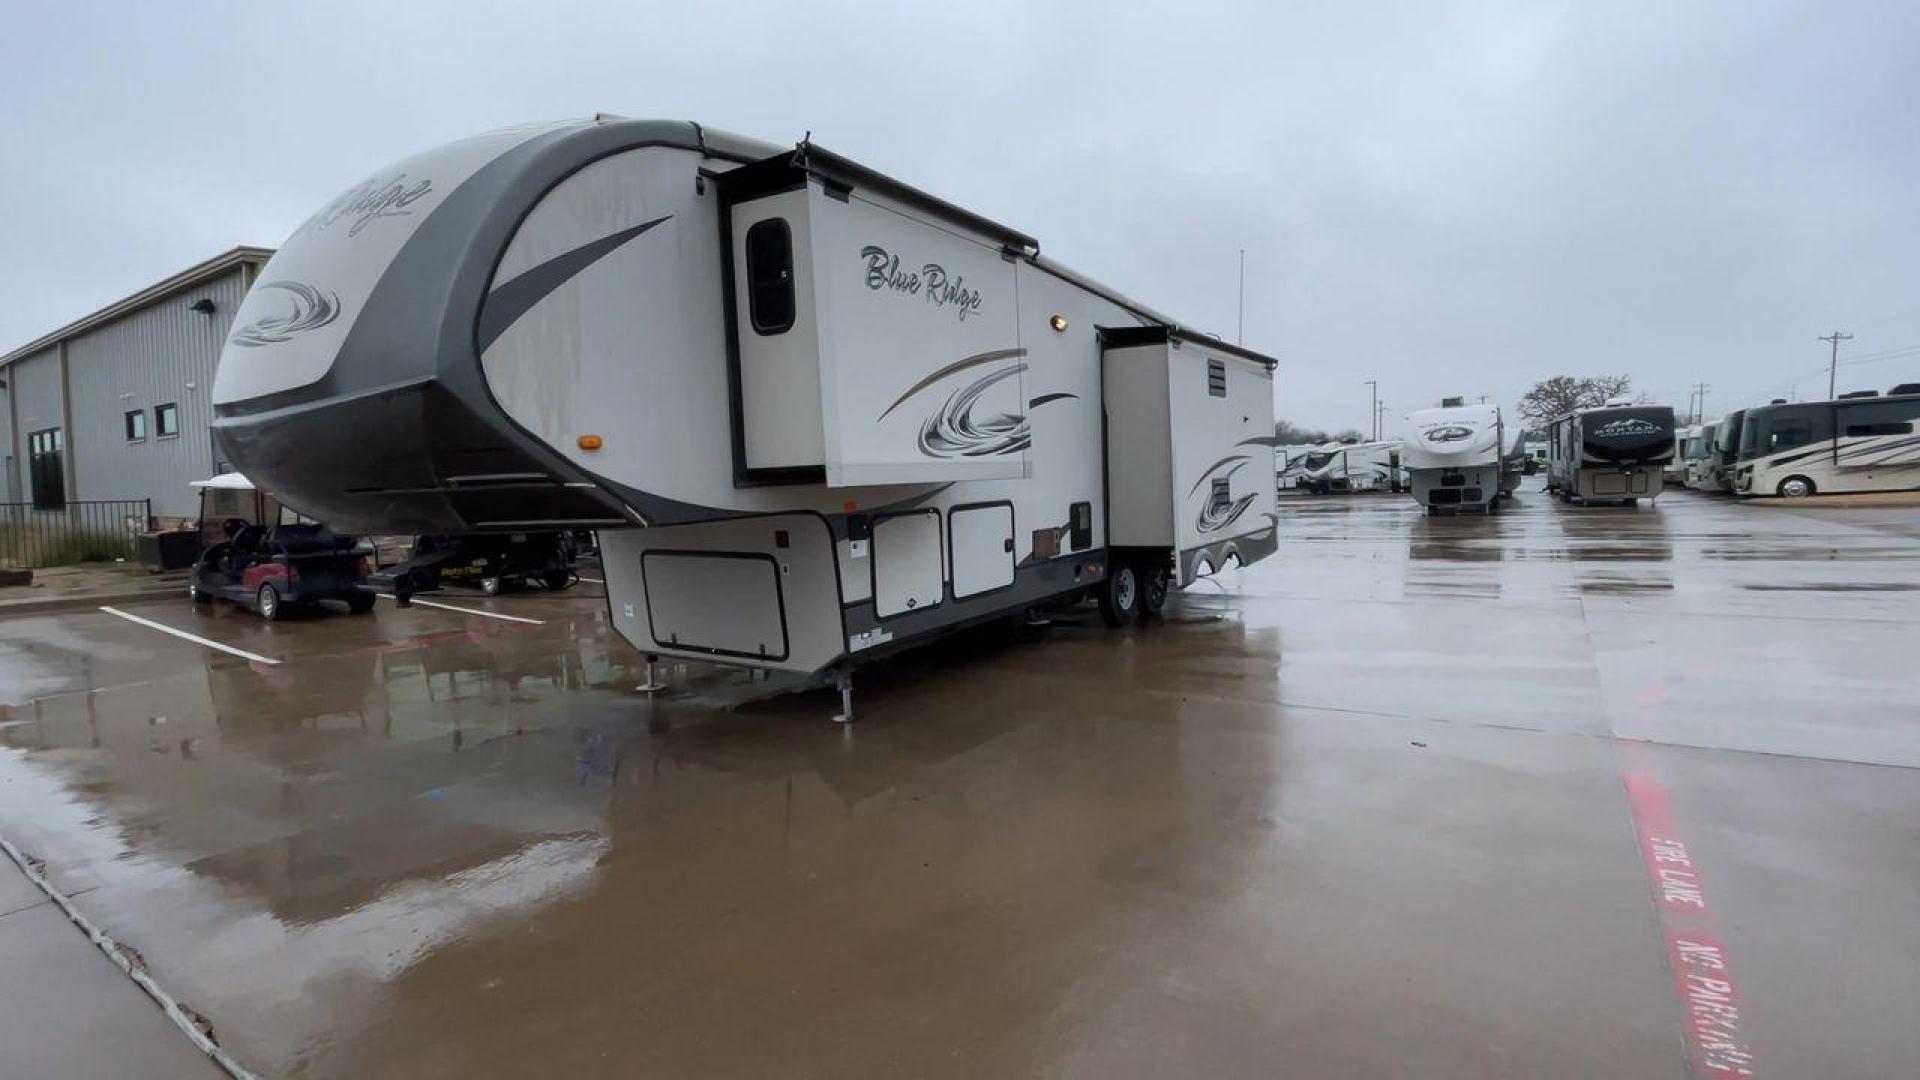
(814, 413)
(1615, 453)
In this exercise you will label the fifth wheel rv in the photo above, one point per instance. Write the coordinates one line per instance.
(815, 413)
(1453, 456)
(1615, 453)
(1855, 444)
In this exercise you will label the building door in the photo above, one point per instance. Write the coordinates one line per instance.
(46, 469)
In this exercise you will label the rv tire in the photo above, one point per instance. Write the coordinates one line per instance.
(1795, 487)
(1157, 581)
(1119, 594)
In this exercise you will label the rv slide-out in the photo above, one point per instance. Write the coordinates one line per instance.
(815, 412)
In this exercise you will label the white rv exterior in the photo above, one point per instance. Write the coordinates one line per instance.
(1350, 467)
(1292, 463)
(1453, 456)
(1696, 455)
(1851, 444)
(1614, 453)
(815, 413)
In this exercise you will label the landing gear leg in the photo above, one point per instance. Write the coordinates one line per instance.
(843, 682)
(653, 683)
(403, 589)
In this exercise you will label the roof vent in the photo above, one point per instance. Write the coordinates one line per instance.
(1851, 394)
(1452, 402)
(1906, 388)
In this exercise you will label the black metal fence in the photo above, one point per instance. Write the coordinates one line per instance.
(91, 531)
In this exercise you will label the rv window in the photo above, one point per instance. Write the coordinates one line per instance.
(1216, 378)
(1878, 418)
(1222, 499)
(1080, 526)
(770, 276)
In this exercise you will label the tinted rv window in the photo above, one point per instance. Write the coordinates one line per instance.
(1879, 418)
(770, 276)
(1217, 378)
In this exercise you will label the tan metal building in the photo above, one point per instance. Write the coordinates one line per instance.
(117, 405)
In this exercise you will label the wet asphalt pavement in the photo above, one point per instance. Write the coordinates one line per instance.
(1563, 792)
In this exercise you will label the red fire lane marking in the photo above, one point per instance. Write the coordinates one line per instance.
(1703, 976)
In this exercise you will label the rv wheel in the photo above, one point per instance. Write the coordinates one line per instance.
(1796, 487)
(197, 594)
(490, 586)
(268, 601)
(1120, 595)
(359, 602)
(1158, 582)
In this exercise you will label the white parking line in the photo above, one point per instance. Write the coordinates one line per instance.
(595, 580)
(195, 638)
(471, 611)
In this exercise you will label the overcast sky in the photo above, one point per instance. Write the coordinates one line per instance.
(1449, 198)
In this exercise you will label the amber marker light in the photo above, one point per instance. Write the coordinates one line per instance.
(590, 442)
(1059, 324)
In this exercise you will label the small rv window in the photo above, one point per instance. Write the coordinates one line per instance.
(1217, 378)
(770, 276)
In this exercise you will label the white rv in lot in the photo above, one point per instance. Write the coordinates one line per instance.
(1348, 467)
(1852, 444)
(1614, 453)
(1453, 456)
(817, 414)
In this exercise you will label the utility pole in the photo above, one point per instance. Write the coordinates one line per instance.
(1374, 411)
(1240, 335)
(1833, 362)
(1697, 402)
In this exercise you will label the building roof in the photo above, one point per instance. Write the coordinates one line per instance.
(198, 274)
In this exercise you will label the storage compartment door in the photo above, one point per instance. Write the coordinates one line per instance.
(923, 378)
(725, 604)
(980, 543)
(906, 563)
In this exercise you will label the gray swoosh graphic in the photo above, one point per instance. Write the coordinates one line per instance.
(505, 305)
(958, 365)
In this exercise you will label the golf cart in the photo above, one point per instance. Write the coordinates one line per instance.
(260, 554)
(494, 562)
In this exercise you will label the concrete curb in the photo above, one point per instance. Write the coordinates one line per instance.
(16, 609)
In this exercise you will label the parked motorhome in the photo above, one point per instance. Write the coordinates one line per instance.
(1291, 461)
(1342, 468)
(1846, 445)
(1536, 450)
(1614, 453)
(1453, 456)
(1724, 452)
(797, 397)
(1676, 469)
(1697, 452)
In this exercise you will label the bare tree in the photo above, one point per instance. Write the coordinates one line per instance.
(1564, 393)
(1287, 434)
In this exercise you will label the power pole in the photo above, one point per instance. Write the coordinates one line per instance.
(1374, 411)
(1833, 362)
(1697, 402)
(1240, 335)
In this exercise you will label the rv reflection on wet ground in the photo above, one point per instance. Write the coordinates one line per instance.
(1455, 797)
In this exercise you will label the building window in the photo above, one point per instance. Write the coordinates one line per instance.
(136, 424)
(770, 276)
(1216, 378)
(166, 420)
(47, 469)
